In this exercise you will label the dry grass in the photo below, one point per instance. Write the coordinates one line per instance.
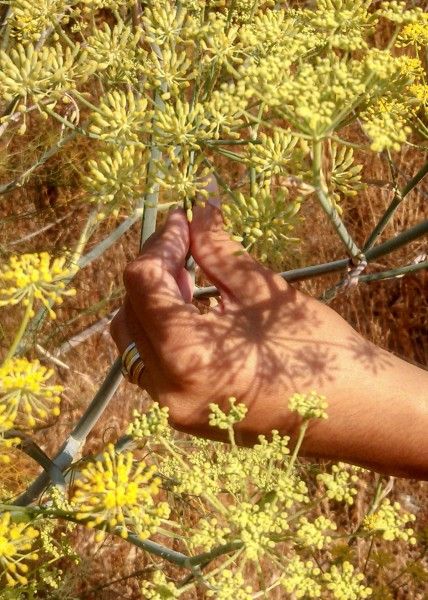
(392, 314)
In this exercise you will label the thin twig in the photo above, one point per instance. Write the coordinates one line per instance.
(339, 265)
(395, 203)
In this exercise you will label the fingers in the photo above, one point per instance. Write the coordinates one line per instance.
(156, 285)
(123, 330)
(240, 279)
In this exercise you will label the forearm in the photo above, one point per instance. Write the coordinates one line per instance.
(377, 420)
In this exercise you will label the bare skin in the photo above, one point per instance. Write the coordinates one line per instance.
(263, 342)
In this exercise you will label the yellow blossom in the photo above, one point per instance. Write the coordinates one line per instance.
(116, 53)
(115, 178)
(390, 520)
(313, 534)
(29, 19)
(345, 584)
(31, 277)
(159, 588)
(309, 406)
(386, 124)
(415, 34)
(340, 483)
(262, 222)
(16, 543)
(223, 420)
(120, 118)
(113, 492)
(300, 579)
(25, 394)
(229, 585)
(153, 423)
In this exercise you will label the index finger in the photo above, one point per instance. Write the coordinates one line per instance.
(151, 281)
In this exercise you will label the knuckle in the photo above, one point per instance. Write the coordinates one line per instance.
(144, 272)
(131, 274)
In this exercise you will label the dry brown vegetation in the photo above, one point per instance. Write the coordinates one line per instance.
(392, 314)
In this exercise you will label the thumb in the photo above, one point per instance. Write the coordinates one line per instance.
(239, 278)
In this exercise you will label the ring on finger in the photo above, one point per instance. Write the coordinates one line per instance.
(132, 365)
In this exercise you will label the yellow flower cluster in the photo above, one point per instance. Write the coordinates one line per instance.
(345, 23)
(94, 5)
(345, 584)
(224, 111)
(312, 94)
(390, 521)
(229, 585)
(7, 420)
(120, 118)
(116, 53)
(273, 154)
(340, 483)
(257, 526)
(386, 124)
(159, 588)
(114, 493)
(309, 406)
(179, 123)
(420, 92)
(262, 221)
(37, 74)
(210, 533)
(243, 11)
(152, 424)
(313, 534)
(415, 34)
(163, 24)
(174, 70)
(115, 179)
(344, 177)
(184, 178)
(220, 419)
(300, 578)
(30, 277)
(221, 44)
(398, 12)
(29, 19)
(16, 546)
(24, 393)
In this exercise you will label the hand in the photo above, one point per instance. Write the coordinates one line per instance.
(263, 342)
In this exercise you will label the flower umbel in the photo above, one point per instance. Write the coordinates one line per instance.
(300, 578)
(113, 492)
(339, 483)
(309, 406)
(154, 423)
(345, 584)
(16, 542)
(24, 393)
(390, 521)
(35, 277)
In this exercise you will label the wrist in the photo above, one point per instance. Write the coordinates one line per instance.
(377, 419)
